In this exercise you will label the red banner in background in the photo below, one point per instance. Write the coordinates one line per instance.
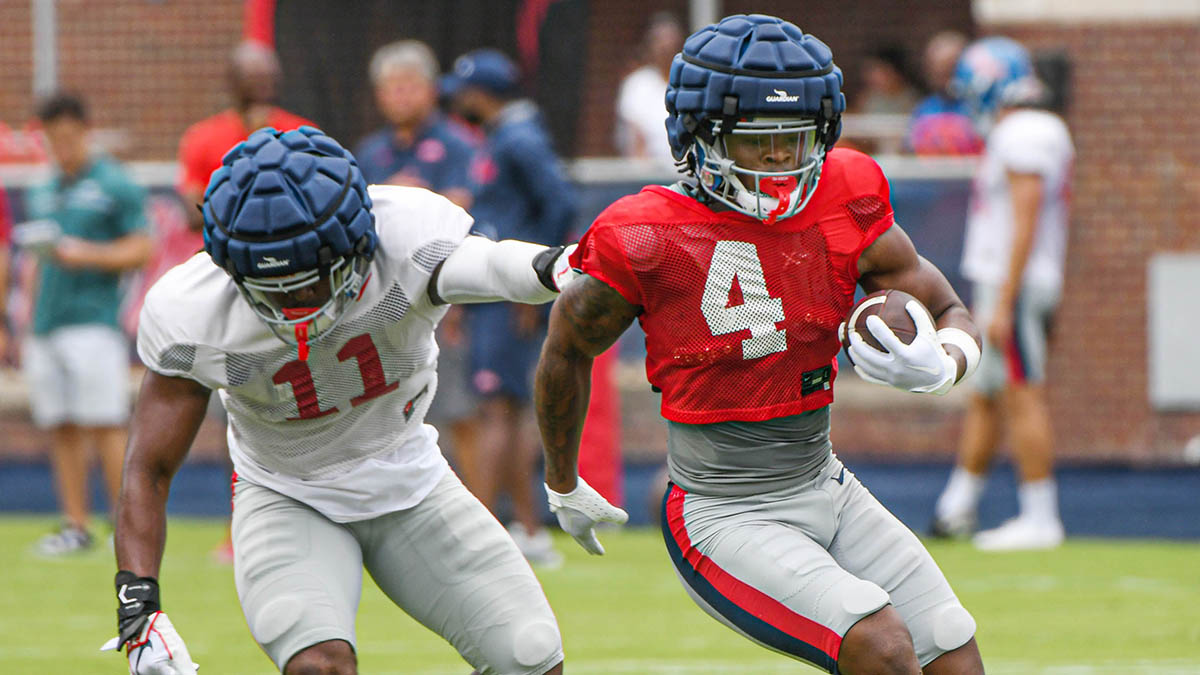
(258, 22)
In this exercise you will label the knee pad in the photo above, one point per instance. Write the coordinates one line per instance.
(952, 628)
(535, 645)
(284, 623)
(275, 618)
(863, 598)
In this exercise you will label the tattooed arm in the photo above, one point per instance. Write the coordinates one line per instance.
(587, 319)
(891, 261)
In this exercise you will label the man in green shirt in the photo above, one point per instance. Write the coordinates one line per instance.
(77, 359)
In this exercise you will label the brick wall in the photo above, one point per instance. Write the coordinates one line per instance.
(16, 77)
(148, 69)
(621, 23)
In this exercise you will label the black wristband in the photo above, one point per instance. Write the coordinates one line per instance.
(137, 599)
(543, 264)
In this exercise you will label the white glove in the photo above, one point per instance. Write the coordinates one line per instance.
(580, 510)
(157, 650)
(923, 367)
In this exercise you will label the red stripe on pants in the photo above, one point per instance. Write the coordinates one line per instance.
(748, 598)
(1017, 373)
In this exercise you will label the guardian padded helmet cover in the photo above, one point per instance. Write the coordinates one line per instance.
(287, 215)
(753, 105)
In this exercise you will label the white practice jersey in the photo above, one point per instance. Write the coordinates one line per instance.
(1024, 141)
(344, 430)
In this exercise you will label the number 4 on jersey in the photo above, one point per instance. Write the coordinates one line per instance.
(738, 262)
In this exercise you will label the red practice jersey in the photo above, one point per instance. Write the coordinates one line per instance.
(740, 317)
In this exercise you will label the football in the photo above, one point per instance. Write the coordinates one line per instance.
(889, 306)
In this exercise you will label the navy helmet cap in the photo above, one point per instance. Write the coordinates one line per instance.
(286, 202)
(488, 69)
(747, 66)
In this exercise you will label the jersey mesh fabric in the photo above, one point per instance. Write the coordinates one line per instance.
(267, 420)
(740, 317)
(365, 388)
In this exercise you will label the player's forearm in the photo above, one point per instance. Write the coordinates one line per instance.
(1022, 245)
(1026, 192)
(141, 528)
(562, 386)
(126, 253)
(586, 320)
(958, 332)
(166, 417)
(481, 270)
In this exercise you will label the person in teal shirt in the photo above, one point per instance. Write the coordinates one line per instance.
(76, 360)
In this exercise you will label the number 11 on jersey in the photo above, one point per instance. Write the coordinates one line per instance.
(360, 348)
(738, 262)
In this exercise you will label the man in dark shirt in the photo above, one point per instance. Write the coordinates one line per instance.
(417, 147)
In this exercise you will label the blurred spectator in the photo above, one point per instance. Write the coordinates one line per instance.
(879, 121)
(641, 130)
(940, 124)
(522, 193)
(417, 147)
(1014, 254)
(941, 55)
(254, 86)
(420, 147)
(889, 87)
(77, 359)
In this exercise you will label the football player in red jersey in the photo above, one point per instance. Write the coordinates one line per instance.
(740, 275)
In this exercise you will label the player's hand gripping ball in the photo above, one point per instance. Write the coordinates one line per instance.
(888, 305)
(891, 339)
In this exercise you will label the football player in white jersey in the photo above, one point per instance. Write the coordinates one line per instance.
(312, 314)
(1014, 254)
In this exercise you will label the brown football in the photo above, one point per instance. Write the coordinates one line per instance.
(889, 306)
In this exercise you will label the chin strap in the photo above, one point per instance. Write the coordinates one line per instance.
(781, 188)
(301, 329)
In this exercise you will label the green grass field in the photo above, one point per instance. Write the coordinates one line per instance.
(1091, 607)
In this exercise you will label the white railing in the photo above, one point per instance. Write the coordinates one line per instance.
(583, 170)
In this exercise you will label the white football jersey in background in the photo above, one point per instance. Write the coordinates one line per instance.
(343, 431)
(640, 113)
(1024, 141)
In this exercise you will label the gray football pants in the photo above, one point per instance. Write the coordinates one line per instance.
(795, 569)
(446, 562)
